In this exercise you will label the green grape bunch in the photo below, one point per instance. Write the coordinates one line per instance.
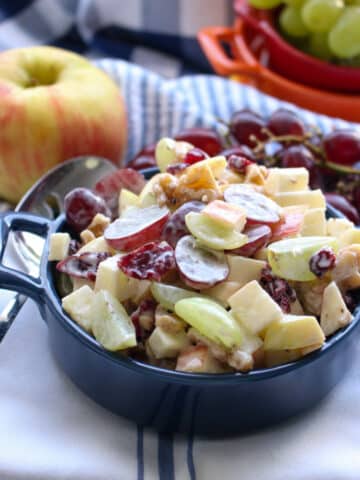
(326, 29)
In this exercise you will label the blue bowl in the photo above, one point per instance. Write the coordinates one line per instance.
(171, 401)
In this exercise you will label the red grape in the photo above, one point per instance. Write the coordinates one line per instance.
(258, 237)
(148, 262)
(297, 156)
(285, 122)
(241, 150)
(81, 205)
(110, 186)
(344, 206)
(195, 155)
(342, 146)
(244, 124)
(199, 267)
(175, 227)
(204, 138)
(82, 266)
(144, 159)
(239, 163)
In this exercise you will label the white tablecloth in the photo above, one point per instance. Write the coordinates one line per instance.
(51, 431)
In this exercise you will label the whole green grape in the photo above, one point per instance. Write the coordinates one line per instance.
(265, 4)
(344, 38)
(294, 3)
(319, 46)
(320, 16)
(291, 22)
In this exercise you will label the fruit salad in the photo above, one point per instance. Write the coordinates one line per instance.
(213, 265)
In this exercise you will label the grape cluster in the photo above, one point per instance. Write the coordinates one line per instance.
(327, 29)
(333, 160)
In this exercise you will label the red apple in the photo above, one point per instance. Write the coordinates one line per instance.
(54, 105)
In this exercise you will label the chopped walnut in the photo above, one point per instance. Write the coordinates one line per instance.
(169, 322)
(347, 270)
(99, 224)
(256, 174)
(241, 361)
(218, 352)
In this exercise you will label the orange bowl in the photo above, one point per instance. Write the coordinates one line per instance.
(244, 65)
(292, 63)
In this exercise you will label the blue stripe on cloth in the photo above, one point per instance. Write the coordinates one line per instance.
(9, 9)
(140, 453)
(166, 456)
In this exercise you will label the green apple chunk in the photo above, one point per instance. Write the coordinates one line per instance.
(78, 306)
(211, 234)
(165, 344)
(290, 258)
(334, 312)
(211, 320)
(110, 322)
(293, 331)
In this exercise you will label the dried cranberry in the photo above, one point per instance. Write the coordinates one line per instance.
(195, 155)
(238, 163)
(82, 266)
(148, 262)
(176, 168)
(278, 289)
(143, 318)
(322, 261)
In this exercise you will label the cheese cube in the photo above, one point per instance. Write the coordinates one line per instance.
(254, 308)
(78, 305)
(349, 237)
(281, 180)
(337, 226)
(310, 198)
(334, 312)
(109, 277)
(243, 269)
(314, 223)
(226, 214)
(167, 345)
(59, 246)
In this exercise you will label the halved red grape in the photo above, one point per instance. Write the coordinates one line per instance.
(110, 186)
(244, 124)
(342, 146)
(290, 224)
(136, 227)
(259, 209)
(258, 235)
(201, 137)
(175, 227)
(81, 205)
(200, 268)
(195, 155)
(241, 150)
(149, 262)
(144, 159)
(82, 266)
(285, 122)
(344, 206)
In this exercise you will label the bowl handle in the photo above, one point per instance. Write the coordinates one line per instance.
(212, 41)
(15, 280)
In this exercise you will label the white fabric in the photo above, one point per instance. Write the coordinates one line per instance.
(51, 431)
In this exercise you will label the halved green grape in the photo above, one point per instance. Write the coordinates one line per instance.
(265, 4)
(294, 3)
(321, 15)
(211, 320)
(344, 38)
(168, 295)
(291, 22)
(110, 323)
(290, 259)
(211, 234)
(319, 46)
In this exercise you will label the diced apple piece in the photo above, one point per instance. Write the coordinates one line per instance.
(198, 176)
(169, 322)
(243, 270)
(223, 291)
(170, 151)
(272, 358)
(293, 331)
(109, 277)
(334, 312)
(139, 289)
(337, 226)
(147, 197)
(167, 345)
(226, 215)
(110, 322)
(314, 223)
(81, 282)
(252, 307)
(127, 199)
(97, 245)
(349, 237)
(281, 180)
(290, 258)
(59, 246)
(78, 306)
(198, 359)
(310, 198)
